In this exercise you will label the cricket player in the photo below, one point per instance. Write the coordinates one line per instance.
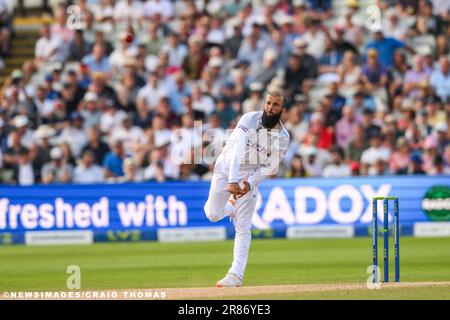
(252, 152)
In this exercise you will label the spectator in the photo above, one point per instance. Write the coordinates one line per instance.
(24, 173)
(400, 158)
(374, 157)
(374, 74)
(356, 148)
(427, 22)
(113, 161)
(337, 168)
(131, 174)
(97, 147)
(97, 61)
(57, 170)
(416, 78)
(296, 169)
(75, 134)
(266, 70)
(78, 47)
(442, 135)
(87, 171)
(49, 48)
(440, 79)
(345, 127)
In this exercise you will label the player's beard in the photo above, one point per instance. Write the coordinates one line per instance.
(270, 121)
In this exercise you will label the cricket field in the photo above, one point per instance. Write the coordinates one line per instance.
(277, 269)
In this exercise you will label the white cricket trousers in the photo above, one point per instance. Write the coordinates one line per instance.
(217, 207)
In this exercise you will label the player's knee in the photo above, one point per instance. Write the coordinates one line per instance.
(209, 213)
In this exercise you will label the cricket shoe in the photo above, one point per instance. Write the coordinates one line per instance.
(231, 280)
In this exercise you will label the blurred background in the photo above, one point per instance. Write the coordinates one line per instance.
(94, 92)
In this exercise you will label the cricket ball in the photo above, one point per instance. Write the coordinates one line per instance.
(129, 38)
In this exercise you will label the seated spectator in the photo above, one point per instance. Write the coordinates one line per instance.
(415, 164)
(113, 161)
(399, 161)
(349, 73)
(296, 169)
(225, 112)
(331, 58)
(87, 171)
(251, 49)
(176, 93)
(89, 110)
(78, 47)
(416, 78)
(263, 72)
(394, 26)
(427, 22)
(128, 10)
(397, 72)
(131, 172)
(374, 74)
(176, 50)
(440, 79)
(187, 174)
(97, 61)
(195, 60)
(24, 172)
(75, 134)
(337, 167)
(372, 158)
(98, 148)
(315, 37)
(49, 48)
(150, 95)
(57, 170)
(345, 127)
(131, 136)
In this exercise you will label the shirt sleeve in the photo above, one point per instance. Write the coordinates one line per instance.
(240, 141)
(264, 171)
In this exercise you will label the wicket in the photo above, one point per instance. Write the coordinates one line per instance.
(386, 238)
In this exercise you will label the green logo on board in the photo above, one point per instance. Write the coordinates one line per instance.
(436, 203)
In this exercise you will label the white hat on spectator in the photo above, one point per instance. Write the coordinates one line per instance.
(299, 3)
(270, 54)
(90, 96)
(441, 127)
(285, 19)
(20, 121)
(45, 132)
(56, 153)
(215, 62)
(300, 42)
(256, 86)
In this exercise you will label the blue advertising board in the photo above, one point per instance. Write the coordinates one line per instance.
(128, 212)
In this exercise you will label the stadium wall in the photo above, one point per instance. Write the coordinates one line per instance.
(170, 212)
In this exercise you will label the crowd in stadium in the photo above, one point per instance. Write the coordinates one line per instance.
(112, 81)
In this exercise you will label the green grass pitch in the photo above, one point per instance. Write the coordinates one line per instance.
(111, 266)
